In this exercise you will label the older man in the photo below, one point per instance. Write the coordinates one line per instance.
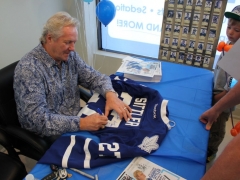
(47, 79)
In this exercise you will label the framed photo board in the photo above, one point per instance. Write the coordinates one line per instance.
(191, 31)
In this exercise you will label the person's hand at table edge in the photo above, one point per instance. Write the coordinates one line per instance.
(209, 117)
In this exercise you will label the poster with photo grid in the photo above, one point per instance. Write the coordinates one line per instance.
(190, 31)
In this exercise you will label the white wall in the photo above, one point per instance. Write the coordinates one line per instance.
(21, 23)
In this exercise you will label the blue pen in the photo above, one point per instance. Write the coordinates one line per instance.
(99, 111)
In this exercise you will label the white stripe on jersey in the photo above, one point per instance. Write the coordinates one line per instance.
(164, 113)
(68, 152)
(87, 153)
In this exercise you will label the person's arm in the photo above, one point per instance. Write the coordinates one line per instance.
(101, 83)
(90, 78)
(227, 165)
(34, 110)
(39, 113)
(231, 99)
(217, 97)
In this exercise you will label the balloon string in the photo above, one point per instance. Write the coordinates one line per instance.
(88, 45)
(104, 49)
(84, 34)
(79, 16)
(97, 26)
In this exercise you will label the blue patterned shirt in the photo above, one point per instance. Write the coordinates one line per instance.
(47, 97)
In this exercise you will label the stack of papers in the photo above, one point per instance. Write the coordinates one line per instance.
(140, 70)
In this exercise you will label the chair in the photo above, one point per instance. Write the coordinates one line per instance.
(11, 167)
(28, 143)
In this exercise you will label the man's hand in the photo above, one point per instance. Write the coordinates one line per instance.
(114, 103)
(209, 117)
(93, 122)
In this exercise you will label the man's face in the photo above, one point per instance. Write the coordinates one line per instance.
(59, 49)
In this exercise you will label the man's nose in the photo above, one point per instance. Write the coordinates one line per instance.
(72, 46)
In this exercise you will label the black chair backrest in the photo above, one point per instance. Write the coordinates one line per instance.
(8, 112)
(28, 143)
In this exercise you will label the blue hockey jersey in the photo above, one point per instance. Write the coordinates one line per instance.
(139, 136)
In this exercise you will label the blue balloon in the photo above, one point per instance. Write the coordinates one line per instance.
(88, 1)
(105, 11)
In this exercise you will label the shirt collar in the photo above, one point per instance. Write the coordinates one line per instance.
(45, 57)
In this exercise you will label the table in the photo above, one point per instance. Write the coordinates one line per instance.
(183, 151)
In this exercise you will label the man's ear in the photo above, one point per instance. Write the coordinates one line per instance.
(49, 38)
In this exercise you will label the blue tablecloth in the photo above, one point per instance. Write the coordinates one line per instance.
(183, 151)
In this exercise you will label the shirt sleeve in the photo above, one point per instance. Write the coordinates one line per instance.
(91, 78)
(32, 106)
(219, 80)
